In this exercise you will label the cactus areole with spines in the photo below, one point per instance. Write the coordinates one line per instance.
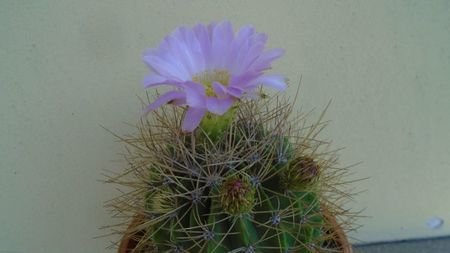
(222, 171)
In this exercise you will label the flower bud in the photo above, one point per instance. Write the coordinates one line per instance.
(237, 195)
(300, 173)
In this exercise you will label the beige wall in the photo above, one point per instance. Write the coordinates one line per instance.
(68, 66)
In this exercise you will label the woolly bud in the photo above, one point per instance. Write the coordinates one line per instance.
(301, 172)
(237, 195)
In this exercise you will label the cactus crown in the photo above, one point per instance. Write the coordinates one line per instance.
(253, 180)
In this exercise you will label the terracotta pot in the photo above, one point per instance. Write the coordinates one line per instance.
(341, 242)
(128, 243)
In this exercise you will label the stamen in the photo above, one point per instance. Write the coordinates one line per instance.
(208, 77)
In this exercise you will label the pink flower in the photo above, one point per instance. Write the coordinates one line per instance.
(210, 67)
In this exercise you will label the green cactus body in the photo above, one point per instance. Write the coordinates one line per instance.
(241, 211)
(241, 183)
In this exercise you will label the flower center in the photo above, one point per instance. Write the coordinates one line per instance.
(208, 77)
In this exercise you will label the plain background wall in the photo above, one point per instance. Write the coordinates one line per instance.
(68, 66)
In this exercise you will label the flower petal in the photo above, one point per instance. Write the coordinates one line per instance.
(222, 37)
(192, 118)
(219, 105)
(248, 52)
(164, 66)
(244, 33)
(178, 101)
(243, 79)
(195, 94)
(235, 91)
(153, 80)
(274, 81)
(265, 60)
(204, 39)
(165, 98)
(219, 89)
(186, 47)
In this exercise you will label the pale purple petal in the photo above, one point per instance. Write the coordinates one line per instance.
(196, 50)
(177, 52)
(170, 52)
(237, 55)
(192, 119)
(265, 60)
(244, 33)
(211, 27)
(235, 91)
(202, 34)
(164, 67)
(244, 79)
(239, 47)
(164, 99)
(249, 57)
(153, 80)
(248, 52)
(222, 36)
(219, 89)
(274, 81)
(258, 38)
(219, 105)
(195, 94)
(178, 102)
(188, 50)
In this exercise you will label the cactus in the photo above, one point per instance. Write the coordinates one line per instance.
(252, 180)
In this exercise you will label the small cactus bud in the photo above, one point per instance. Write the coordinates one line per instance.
(301, 172)
(237, 195)
(309, 169)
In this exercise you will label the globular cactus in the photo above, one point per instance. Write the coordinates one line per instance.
(252, 180)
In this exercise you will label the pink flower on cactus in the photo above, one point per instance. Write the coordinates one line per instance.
(210, 67)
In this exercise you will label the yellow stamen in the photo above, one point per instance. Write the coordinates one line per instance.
(208, 77)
